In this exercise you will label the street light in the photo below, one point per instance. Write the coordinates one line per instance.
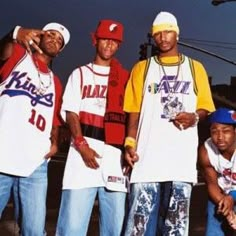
(217, 2)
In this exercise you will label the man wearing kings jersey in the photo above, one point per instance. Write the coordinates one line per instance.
(30, 97)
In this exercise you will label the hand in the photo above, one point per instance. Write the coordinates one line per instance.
(130, 157)
(126, 168)
(225, 206)
(231, 218)
(89, 156)
(30, 38)
(52, 152)
(184, 120)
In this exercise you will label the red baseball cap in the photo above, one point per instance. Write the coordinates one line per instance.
(109, 29)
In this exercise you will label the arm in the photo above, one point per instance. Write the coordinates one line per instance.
(69, 111)
(184, 120)
(210, 176)
(202, 88)
(6, 46)
(132, 105)
(74, 124)
(130, 150)
(88, 154)
(28, 38)
(54, 142)
(132, 126)
(205, 103)
(223, 201)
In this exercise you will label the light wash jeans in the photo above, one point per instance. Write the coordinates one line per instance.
(76, 208)
(29, 199)
(145, 202)
(216, 224)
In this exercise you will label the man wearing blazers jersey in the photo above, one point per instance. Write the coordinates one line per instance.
(30, 98)
(93, 108)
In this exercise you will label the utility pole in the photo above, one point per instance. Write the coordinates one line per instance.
(145, 51)
(148, 48)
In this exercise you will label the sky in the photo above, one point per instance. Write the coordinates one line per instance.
(198, 20)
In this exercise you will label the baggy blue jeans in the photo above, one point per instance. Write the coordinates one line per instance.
(216, 224)
(29, 199)
(76, 208)
(145, 201)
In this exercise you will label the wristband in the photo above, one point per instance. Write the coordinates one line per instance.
(80, 141)
(129, 141)
(196, 119)
(15, 32)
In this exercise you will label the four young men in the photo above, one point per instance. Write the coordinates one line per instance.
(165, 97)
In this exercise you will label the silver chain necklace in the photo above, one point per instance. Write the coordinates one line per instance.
(100, 102)
(42, 87)
(164, 72)
(171, 104)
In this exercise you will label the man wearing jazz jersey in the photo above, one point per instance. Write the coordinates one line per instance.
(30, 97)
(165, 97)
(93, 108)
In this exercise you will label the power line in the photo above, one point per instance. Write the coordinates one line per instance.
(208, 41)
(212, 45)
(207, 52)
(155, 50)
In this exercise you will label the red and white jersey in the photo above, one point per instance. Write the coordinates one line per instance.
(85, 95)
(226, 169)
(26, 117)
